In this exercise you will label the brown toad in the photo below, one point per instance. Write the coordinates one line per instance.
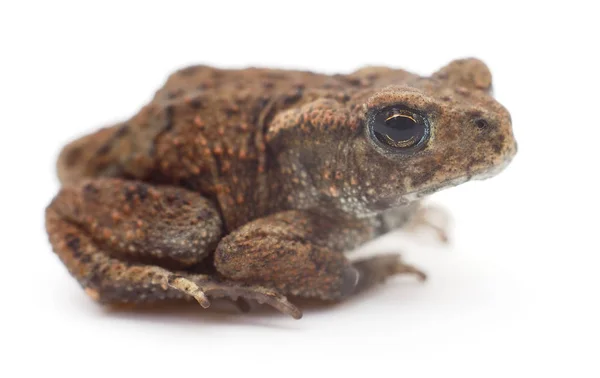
(251, 184)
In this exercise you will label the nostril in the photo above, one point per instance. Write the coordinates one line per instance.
(481, 123)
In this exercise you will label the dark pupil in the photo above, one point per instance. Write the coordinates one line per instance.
(398, 130)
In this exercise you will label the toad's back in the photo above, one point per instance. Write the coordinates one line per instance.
(204, 130)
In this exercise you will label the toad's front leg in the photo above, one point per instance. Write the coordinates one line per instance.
(301, 253)
(417, 216)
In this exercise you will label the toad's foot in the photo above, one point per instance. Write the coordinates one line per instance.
(376, 269)
(431, 217)
(205, 287)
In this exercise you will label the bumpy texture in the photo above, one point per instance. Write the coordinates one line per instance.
(251, 184)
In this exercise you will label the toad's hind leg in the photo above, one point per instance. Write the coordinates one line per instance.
(129, 242)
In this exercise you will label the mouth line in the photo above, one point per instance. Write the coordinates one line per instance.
(481, 174)
(448, 183)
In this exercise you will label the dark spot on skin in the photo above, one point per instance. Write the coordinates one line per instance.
(172, 278)
(74, 244)
(129, 195)
(90, 189)
(498, 143)
(96, 278)
(193, 183)
(196, 103)
(174, 94)
(497, 147)
(264, 100)
(102, 166)
(119, 133)
(354, 81)
(105, 149)
(230, 112)
(176, 200)
(169, 112)
(291, 99)
(122, 131)
(142, 191)
(72, 156)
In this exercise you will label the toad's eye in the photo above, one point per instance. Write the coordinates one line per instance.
(402, 130)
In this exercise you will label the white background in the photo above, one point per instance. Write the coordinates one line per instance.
(516, 294)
